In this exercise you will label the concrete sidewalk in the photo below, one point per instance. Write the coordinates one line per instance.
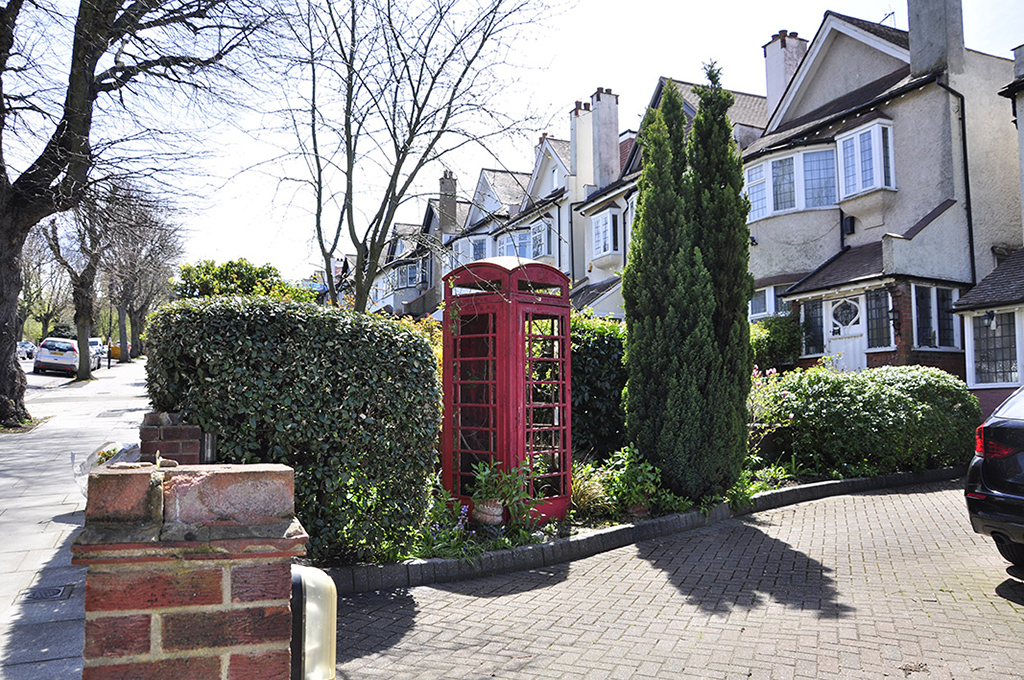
(41, 594)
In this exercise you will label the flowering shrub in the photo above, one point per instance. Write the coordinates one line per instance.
(875, 421)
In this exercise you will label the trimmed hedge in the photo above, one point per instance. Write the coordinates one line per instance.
(890, 419)
(598, 378)
(350, 401)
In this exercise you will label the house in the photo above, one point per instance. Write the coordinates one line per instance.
(885, 184)
(610, 208)
(993, 311)
(481, 233)
(411, 274)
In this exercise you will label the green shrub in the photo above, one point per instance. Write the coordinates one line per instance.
(598, 376)
(884, 420)
(776, 341)
(350, 401)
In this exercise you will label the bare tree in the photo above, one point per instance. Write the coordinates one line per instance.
(47, 147)
(143, 256)
(46, 293)
(79, 251)
(388, 88)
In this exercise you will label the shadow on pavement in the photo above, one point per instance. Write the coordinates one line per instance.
(373, 622)
(735, 564)
(1011, 590)
(47, 629)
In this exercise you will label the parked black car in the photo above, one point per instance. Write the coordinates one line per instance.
(995, 479)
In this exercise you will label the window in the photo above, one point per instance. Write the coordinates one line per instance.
(759, 303)
(606, 233)
(408, 275)
(819, 178)
(934, 322)
(866, 159)
(796, 182)
(515, 245)
(756, 193)
(814, 336)
(783, 187)
(995, 348)
(478, 247)
(541, 238)
(879, 327)
(782, 306)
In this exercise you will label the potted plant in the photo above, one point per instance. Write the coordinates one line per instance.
(488, 493)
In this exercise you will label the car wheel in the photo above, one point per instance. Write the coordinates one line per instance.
(37, 370)
(1012, 552)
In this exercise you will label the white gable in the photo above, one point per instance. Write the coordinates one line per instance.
(841, 58)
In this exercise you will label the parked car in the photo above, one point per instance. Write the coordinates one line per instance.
(59, 355)
(26, 350)
(97, 351)
(115, 350)
(995, 483)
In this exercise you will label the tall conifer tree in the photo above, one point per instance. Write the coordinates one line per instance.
(688, 357)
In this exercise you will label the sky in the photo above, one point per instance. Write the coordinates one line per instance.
(247, 211)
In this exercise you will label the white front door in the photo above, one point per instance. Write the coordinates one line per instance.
(845, 333)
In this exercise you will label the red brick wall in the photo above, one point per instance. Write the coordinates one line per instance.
(162, 434)
(189, 572)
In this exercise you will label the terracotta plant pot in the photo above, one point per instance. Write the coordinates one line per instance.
(489, 513)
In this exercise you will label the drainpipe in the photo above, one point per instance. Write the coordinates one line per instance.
(967, 175)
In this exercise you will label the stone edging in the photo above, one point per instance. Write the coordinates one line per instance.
(368, 577)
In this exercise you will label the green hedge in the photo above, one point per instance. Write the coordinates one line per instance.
(598, 377)
(350, 401)
(776, 341)
(896, 418)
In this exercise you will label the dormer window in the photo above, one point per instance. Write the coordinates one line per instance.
(866, 159)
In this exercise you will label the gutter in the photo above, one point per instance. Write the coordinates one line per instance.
(967, 174)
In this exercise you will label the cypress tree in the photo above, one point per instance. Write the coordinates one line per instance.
(685, 290)
(669, 302)
(716, 211)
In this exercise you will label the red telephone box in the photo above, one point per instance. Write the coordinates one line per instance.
(507, 377)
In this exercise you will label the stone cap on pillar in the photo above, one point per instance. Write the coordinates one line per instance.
(141, 512)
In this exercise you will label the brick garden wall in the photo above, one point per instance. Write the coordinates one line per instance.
(163, 434)
(189, 572)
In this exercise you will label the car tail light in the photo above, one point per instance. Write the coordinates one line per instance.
(986, 448)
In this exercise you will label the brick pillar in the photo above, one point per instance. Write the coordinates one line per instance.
(189, 571)
(164, 434)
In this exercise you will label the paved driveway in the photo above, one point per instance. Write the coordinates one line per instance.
(883, 584)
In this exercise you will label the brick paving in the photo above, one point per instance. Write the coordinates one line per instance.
(881, 584)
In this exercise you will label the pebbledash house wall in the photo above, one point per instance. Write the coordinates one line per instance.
(903, 352)
(189, 572)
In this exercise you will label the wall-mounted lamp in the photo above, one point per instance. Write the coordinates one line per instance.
(989, 320)
(894, 314)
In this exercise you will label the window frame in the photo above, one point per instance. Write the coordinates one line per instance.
(606, 221)
(805, 325)
(763, 185)
(1015, 337)
(473, 243)
(934, 318)
(520, 247)
(543, 229)
(881, 166)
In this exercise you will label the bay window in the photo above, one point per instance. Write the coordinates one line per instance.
(606, 233)
(866, 159)
(796, 182)
(995, 348)
(540, 235)
(515, 245)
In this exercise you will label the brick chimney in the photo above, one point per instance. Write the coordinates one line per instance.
(446, 204)
(936, 36)
(605, 130)
(782, 57)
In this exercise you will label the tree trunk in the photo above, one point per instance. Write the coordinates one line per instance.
(138, 322)
(84, 300)
(12, 378)
(122, 333)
